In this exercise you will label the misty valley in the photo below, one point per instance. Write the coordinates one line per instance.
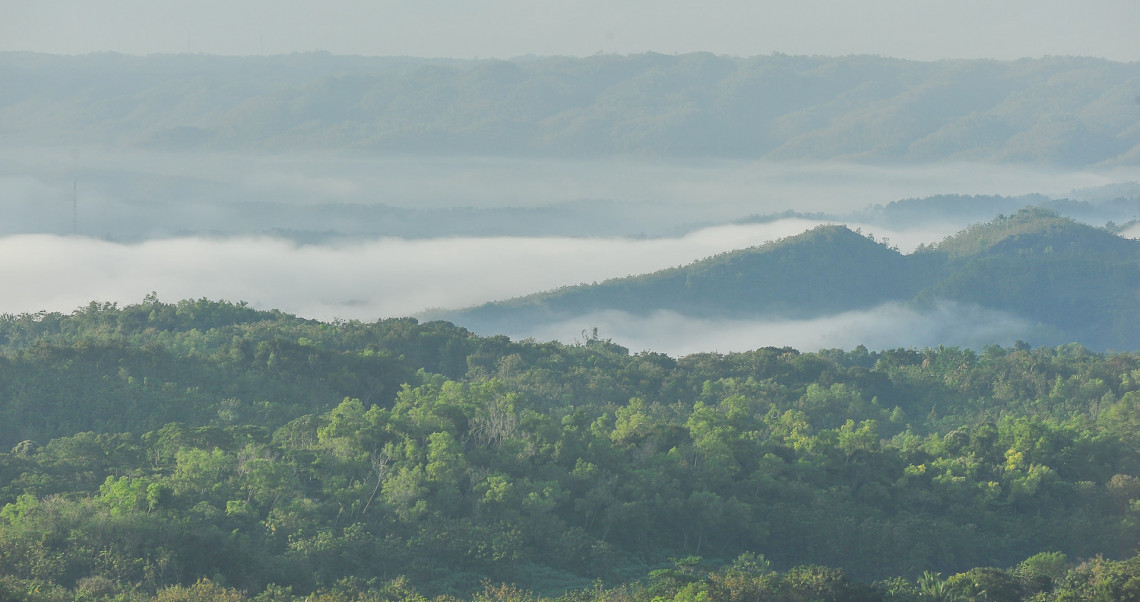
(340, 238)
(645, 327)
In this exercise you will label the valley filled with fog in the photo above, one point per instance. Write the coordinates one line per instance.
(541, 301)
(336, 236)
(361, 188)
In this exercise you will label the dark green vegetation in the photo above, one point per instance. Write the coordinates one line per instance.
(205, 450)
(1070, 280)
(1057, 110)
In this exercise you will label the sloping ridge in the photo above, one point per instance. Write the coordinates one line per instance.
(824, 270)
(1077, 282)
(1082, 281)
(1036, 230)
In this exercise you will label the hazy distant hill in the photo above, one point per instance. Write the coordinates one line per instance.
(1073, 111)
(1079, 282)
(1121, 209)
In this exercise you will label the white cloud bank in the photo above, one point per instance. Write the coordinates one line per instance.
(384, 278)
(366, 281)
(397, 277)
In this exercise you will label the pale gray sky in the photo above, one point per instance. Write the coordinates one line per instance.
(917, 29)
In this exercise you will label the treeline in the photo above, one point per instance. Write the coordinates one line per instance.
(206, 450)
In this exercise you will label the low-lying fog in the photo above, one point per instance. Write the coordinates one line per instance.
(132, 196)
(382, 278)
(888, 326)
(365, 239)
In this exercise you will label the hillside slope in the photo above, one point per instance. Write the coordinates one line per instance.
(1082, 280)
(1058, 110)
(794, 277)
(1079, 282)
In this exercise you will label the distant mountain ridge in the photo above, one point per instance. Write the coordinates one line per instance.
(1058, 110)
(1078, 282)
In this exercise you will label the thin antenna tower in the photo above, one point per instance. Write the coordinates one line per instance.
(74, 207)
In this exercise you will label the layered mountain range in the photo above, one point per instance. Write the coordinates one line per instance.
(1074, 282)
(1055, 110)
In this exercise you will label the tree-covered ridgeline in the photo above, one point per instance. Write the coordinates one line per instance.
(1067, 280)
(207, 450)
(1053, 110)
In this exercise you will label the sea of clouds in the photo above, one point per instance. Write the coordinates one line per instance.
(57, 208)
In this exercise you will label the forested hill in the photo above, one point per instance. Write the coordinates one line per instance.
(794, 277)
(1077, 282)
(203, 450)
(1059, 110)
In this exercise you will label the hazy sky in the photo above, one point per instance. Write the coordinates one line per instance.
(918, 29)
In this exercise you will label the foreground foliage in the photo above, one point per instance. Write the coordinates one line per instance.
(205, 450)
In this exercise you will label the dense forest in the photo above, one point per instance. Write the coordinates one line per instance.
(205, 450)
(1054, 110)
(1071, 281)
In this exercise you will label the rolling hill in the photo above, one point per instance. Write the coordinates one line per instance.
(1078, 282)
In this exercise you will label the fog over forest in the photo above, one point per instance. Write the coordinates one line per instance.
(531, 300)
(365, 239)
(301, 183)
